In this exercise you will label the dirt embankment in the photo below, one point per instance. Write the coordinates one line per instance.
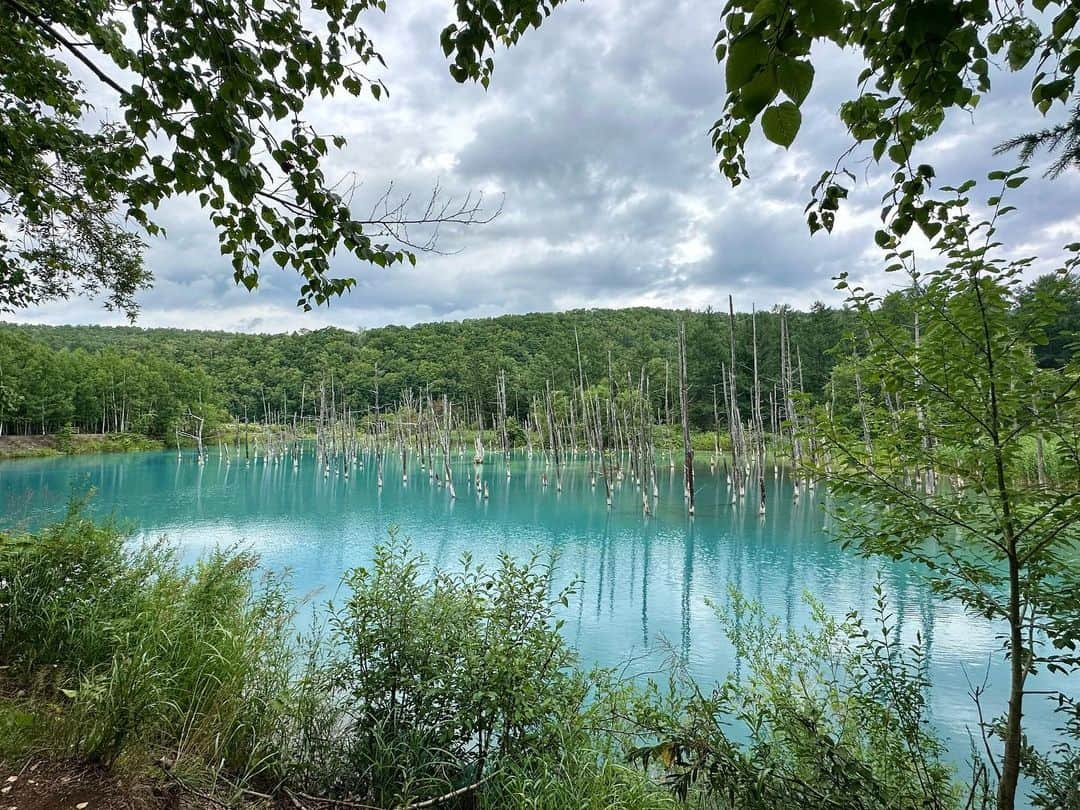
(27, 446)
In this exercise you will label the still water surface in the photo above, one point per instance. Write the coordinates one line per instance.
(644, 582)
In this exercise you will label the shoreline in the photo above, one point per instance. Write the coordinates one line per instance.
(13, 447)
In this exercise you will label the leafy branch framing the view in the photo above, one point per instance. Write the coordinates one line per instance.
(924, 59)
(211, 104)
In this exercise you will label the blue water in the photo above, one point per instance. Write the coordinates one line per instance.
(644, 581)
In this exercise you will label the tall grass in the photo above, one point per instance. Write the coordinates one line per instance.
(191, 663)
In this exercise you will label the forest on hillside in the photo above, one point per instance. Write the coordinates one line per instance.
(129, 379)
(121, 378)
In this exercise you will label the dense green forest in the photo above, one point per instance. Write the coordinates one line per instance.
(124, 378)
(120, 379)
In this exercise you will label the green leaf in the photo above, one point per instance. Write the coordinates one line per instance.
(763, 9)
(781, 123)
(446, 39)
(746, 56)
(760, 92)
(796, 77)
(931, 229)
(828, 16)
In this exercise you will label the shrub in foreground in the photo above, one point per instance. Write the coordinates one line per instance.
(423, 683)
(415, 685)
(833, 717)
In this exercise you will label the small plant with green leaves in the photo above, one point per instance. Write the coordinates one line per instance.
(968, 459)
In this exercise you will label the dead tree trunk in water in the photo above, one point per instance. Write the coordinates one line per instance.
(376, 430)
(738, 485)
(404, 409)
(788, 383)
(605, 467)
(759, 427)
(684, 405)
(644, 441)
(716, 430)
(553, 432)
(504, 435)
(445, 441)
(196, 436)
(478, 454)
(732, 475)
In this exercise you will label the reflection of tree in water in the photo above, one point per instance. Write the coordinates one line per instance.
(581, 598)
(926, 612)
(646, 564)
(790, 591)
(736, 551)
(687, 584)
(605, 540)
(611, 577)
(199, 470)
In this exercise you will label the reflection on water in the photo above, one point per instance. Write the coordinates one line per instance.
(644, 583)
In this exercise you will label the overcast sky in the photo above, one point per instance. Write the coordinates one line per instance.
(594, 135)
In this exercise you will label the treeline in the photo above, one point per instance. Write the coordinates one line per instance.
(125, 378)
(105, 379)
(101, 390)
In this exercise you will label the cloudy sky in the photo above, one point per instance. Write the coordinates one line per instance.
(594, 138)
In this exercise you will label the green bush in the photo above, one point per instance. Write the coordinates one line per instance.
(433, 678)
(583, 764)
(420, 682)
(64, 440)
(831, 717)
(577, 772)
(1055, 776)
(70, 594)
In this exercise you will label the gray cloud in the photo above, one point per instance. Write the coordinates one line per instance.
(595, 129)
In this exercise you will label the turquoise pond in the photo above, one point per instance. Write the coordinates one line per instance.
(645, 582)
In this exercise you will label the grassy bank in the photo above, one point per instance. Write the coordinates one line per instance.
(119, 659)
(75, 444)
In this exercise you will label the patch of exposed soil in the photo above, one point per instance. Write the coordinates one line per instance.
(20, 445)
(60, 785)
